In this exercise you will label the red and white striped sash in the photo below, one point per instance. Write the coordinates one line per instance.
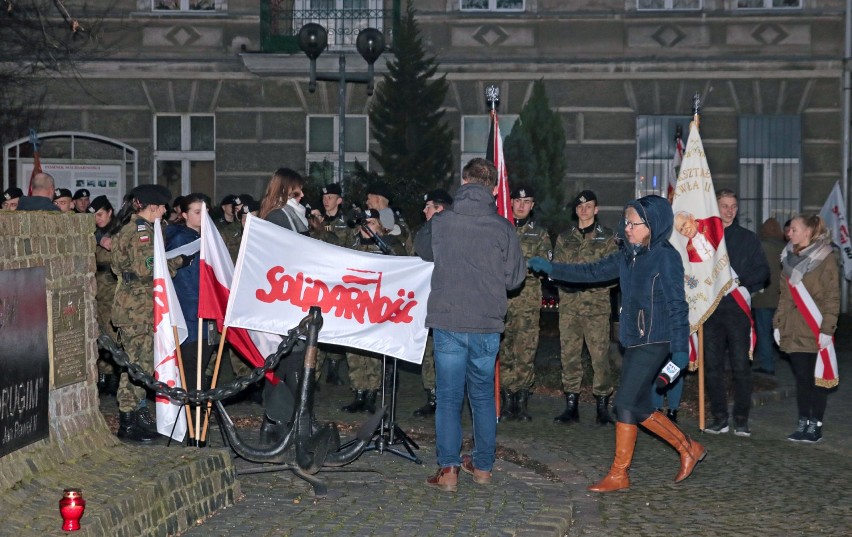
(825, 372)
(743, 299)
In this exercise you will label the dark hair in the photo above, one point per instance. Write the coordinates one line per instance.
(481, 172)
(189, 199)
(282, 182)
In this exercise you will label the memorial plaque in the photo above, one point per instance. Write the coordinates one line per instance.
(68, 320)
(24, 359)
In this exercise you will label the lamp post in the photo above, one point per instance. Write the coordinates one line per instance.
(370, 43)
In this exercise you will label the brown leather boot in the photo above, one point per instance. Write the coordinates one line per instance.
(446, 478)
(617, 478)
(691, 452)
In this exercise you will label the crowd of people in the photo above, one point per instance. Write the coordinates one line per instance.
(486, 300)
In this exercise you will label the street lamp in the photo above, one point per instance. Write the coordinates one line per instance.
(370, 43)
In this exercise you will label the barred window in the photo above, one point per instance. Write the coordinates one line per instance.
(185, 152)
(656, 5)
(492, 5)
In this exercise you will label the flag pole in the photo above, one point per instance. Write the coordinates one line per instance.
(701, 415)
(198, 374)
(492, 97)
(214, 381)
(190, 430)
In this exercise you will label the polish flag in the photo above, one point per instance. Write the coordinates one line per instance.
(167, 316)
(216, 275)
(494, 153)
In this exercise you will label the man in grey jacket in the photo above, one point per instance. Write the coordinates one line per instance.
(477, 259)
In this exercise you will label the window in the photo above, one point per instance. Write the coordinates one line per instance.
(186, 5)
(474, 135)
(768, 4)
(653, 5)
(492, 5)
(185, 153)
(343, 19)
(769, 150)
(655, 152)
(323, 141)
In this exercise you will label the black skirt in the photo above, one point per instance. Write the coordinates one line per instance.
(639, 370)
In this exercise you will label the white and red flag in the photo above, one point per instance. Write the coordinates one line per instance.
(834, 214)
(494, 153)
(370, 302)
(677, 161)
(216, 273)
(167, 317)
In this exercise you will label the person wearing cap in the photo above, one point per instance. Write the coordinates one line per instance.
(62, 199)
(132, 262)
(11, 197)
(333, 218)
(229, 225)
(435, 202)
(520, 339)
(365, 370)
(584, 312)
(41, 199)
(106, 281)
(81, 200)
(379, 197)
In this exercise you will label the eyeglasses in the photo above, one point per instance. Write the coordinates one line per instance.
(630, 225)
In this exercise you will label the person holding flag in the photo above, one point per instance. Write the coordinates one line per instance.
(654, 323)
(806, 319)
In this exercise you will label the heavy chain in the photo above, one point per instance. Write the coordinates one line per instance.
(213, 394)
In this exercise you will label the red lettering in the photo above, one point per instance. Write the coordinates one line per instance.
(161, 302)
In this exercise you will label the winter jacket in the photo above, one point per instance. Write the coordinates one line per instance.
(477, 259)
(186, 278)
(653, 303)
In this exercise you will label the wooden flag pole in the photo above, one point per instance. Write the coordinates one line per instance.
(198, 374)
(214, 381)
(701, 377)
(190, 430)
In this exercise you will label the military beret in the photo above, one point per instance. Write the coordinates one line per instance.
(228, 200)
(82, 193)
(333, 188)
(380, 189)
(12, 193)
(250, 206)
(523, 192)
(61, 193)
(584, 196)
(242, 199)
(152, 194)
(385, 217)
(440, 196)
(101, 202)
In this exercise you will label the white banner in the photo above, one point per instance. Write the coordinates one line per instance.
(699, 234)
(370, 302)
(834, 214)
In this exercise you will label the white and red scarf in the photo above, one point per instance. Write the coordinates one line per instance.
(743, 299)
(825, 372)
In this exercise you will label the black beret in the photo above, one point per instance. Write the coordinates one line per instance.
(228, 200)
(523, 192)
(584, 196)
(101, 202)
(152, 194)
(332, 188)
(82, 193)
(12, 193)
(440, 195)
(242, 199)
(380, 189)
(61, 193)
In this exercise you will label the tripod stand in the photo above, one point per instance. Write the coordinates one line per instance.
(389, 433)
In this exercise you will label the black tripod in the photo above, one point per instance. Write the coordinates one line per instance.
(389, 433)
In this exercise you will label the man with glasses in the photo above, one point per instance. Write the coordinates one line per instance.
(584, 312)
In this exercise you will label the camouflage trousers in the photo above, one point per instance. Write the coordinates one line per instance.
(427, 368)
(138, 342)
(519, 345)
(331, 353)
(594, 330)
(103, 311)
(365, 371)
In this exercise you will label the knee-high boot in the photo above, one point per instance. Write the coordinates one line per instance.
(691, 452)
(617, 478)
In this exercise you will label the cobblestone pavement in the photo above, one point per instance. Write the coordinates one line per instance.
(762, 485)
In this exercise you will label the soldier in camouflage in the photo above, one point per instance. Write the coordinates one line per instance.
(133, 262)
(520, 338)
(365, 371)
(379, 197)
(101, 208)
(333, 219)
(229, 225)
(584, 312)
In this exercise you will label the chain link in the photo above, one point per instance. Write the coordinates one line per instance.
(196, 397)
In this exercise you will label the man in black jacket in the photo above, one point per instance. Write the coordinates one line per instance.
(727, 332)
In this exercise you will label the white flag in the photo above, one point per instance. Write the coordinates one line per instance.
(699, 234)
(167, 314)
(834, 214)
(370, 302)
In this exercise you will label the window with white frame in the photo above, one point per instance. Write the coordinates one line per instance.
(188, 5)
(185, 152)
(673, 5)
(492, 5)
(474, 135)
(323, 141)
(770, 151)
(768, 4)
(343, 19)
(656, 145)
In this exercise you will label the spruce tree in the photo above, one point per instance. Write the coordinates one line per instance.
(415, 142)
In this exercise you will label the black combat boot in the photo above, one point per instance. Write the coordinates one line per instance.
(102, 383)
(603, 417)
(522, 397)
(333, 376)
(370, 402)
(571, 414)
(272, 431)
(672, 415)
(147, 421)
(507, 408)
(429, 408)
(357, 405)
(129, 430)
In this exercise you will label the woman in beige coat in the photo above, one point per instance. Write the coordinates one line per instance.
(807, 318)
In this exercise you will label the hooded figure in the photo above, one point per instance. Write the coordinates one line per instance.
(654, 324)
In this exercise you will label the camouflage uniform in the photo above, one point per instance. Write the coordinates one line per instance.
(232, 234)
(336, 232)
(520, 338)
(337, 225)
(106, 284)
(132, 313)
(584, 312)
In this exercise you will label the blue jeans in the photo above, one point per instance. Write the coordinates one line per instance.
(764, 348)
(465, 358)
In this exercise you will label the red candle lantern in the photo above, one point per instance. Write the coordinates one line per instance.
(71, 507)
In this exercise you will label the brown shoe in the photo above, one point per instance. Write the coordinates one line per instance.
(480, 476)
(446, 478)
